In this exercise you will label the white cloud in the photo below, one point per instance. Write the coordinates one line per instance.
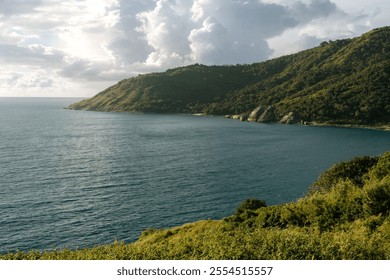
(236, 31)
(29, 80)
(335, 25)
(79, 47)
(166, 29)
(34, 55)
(43, 39)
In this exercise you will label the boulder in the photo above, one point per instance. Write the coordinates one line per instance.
(290, 118)
(243, 117)
(268, 115)
(256, 113)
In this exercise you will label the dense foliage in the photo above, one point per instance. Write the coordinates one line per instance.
(347, 216)
(339, 82)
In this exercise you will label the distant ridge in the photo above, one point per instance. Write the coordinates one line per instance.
(344, 82)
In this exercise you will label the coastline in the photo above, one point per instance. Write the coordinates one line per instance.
(374, 127)
(244, 118)
(382, 127)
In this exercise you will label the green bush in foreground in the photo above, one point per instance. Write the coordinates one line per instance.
(345, 217)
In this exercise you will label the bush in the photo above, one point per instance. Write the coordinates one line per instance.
(353, 170)
(377, 198)
(270, 217)
(247, 210)
(250, 205)
(377, 189)
(382, 168)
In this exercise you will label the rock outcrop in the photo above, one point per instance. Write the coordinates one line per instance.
(242, 117)
(256, 113)
(268, 115)
(265, 115)
(290, 118)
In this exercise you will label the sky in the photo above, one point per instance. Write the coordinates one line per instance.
(77, 48)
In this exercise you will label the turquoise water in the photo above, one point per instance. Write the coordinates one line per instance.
(76, 178)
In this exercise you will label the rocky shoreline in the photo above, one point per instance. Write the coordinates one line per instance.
(267, 114)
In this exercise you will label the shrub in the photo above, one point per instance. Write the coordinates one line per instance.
(246, 210)
(353, 170)
(270, 217)
(377, 198)
(382, 168)
(250, 205)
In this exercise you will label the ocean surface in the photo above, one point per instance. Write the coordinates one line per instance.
(77, 179)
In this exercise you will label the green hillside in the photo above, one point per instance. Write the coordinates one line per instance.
(345, 215)
(339, 82)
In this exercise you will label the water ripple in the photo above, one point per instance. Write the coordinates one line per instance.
(77, 179)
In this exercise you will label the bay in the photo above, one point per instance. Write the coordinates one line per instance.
(78, 179)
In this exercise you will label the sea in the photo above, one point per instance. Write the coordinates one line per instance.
(76, 179)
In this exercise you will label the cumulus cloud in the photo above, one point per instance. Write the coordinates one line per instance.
(334, 23)
(166, 29)
(235, 31)
(34, 54)
(220, 31)
(31, 80)
(86, 45)
(129, 45)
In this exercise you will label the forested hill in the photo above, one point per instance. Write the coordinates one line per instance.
(339, 82)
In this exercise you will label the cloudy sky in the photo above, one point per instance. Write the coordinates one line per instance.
(80, 47)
